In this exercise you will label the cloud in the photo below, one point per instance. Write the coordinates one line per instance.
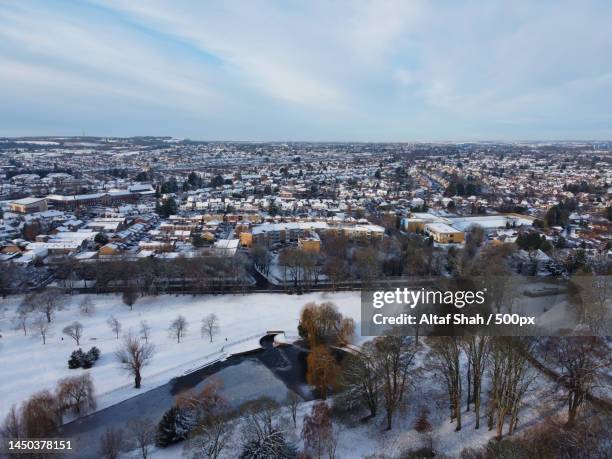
(258, 46)
(404, 76)
(354, 70)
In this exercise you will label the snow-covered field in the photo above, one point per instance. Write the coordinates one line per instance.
(29, 366)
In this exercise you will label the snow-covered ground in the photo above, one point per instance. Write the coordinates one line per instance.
(29, 366)
(358, 440)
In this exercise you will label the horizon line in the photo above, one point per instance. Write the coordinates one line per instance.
(183, 139)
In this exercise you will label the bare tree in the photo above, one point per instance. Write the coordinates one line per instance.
(445, 357)
(11, 427)
(264, 437)
(362, 378)
(114, 325)
(207, 410)
(474, 237)
(29, 302)
(394, 356)
(291, 259)
(582, 362)
(203, 403)
(143, 434)
(129, 296)
(74, 331)
(210, 326)
(77, 394)
(42, 327)
(366, 265)
(87, 307)
(48, 302)
(477, 350)
(317, 431)
(510, 379)
(21, 320)
(262, 258)
(178, 328)
(133, 356)
(145, 330)
(212, 437)
(594, 302)
(335, 268)
(111, 443)
(293, 400)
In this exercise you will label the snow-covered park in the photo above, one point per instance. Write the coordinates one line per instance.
(29, 366)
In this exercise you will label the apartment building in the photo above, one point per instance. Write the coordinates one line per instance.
(28, 205)
(275, 233)
(109, 199)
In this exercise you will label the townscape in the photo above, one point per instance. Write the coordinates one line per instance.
(264, 216)
(202, 299)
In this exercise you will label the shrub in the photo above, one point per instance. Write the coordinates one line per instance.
(93, 354)
(79, 359)
(271, 445)
(422, 424)
(76, 359)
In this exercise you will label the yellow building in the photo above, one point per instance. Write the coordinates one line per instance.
(413, 225)
(309, 244)
(109, 249)
(246, 239)
(29, 205)
(444, 234)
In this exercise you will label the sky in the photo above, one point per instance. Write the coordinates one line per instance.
(405, 70)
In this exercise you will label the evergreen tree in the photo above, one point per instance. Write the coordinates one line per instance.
(76, 359)
(101, 239)
(90, 358)
(87, 361)
(79, 359)
(166, 208)
(217, 181)
(194, 180)
(174, 426)
(530, 241)
(561, 243)
(94, 352)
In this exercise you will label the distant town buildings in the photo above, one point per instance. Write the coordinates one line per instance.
(71, 201)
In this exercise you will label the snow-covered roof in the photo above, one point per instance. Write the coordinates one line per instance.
(441, 228)
(27, 201)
